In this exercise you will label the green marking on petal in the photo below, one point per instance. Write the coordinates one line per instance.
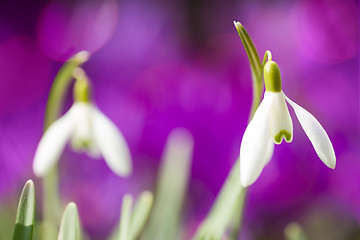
(81, 144)
(283, 134)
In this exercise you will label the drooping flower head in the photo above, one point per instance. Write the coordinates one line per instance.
(272, 124)
(90, 131)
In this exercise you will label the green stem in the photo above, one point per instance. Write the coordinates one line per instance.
(258, 88)
(237, 219)
(229, 204)
(59, 88)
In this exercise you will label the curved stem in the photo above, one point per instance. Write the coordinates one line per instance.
(59, 88)
(228, 207)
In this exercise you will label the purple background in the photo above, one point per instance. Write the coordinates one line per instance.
(157, 65)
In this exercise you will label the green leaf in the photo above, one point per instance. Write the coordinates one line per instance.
(171, 189)
(125, 220)
(227, 204)
(141, 214)
(70, 225)
(24, 223)
(138, 219)
(255, 65)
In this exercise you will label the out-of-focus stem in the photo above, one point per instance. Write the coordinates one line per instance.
(59, 88)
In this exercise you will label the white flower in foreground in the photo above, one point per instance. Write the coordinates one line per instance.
(90, 131)
(272, 123)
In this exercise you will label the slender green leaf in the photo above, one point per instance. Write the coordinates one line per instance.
(171, 189)
(255, 66)
(227, 203)
(70, 225)
(24, 223)
(141, 214)
(125, 220)
(139, 217)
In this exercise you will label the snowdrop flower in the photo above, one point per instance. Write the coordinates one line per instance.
(272, 123)
(90, 131)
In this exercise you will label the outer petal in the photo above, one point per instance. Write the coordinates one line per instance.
(52, 144)
(269, 150)
(281, 126)
(254, 144)
(316, 134)
(111, 144)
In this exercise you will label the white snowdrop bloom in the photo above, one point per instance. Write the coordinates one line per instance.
(90, 131)
(272, 123)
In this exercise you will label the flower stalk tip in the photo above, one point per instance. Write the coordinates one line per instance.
(80, 57)
(81, 86)
(269, 55)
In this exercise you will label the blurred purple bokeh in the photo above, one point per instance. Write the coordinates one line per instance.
(158, 65)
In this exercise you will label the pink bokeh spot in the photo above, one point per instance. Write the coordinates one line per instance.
(63, 31)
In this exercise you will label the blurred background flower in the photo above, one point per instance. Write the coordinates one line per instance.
(158, 65)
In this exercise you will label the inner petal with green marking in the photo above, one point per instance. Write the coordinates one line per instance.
(280, 121)
(283, 134)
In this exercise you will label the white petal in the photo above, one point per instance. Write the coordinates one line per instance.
(281, 126)
(52, 144)
(269, 150)
(83, 138)
(253, 154)
(316, 134)
(111, 144)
